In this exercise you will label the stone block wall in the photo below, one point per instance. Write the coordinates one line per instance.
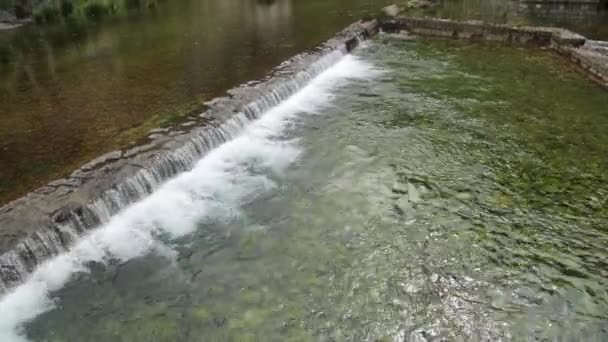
(538, 36)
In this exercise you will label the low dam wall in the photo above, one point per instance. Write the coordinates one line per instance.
(591, 56)
(50, 219)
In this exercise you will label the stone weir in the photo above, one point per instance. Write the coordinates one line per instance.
(47, 221)
(591, 56)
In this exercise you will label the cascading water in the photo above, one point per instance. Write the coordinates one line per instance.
(135, 212)
(17, 264)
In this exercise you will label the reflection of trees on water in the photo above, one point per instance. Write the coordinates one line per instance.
(33, 50)
(34, 53)
(236, 40)
(272, 17)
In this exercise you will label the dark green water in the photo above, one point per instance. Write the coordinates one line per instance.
(461, 195)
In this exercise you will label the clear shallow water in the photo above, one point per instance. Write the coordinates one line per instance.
(417, 190)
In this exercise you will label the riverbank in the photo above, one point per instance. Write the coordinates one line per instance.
(19, 13)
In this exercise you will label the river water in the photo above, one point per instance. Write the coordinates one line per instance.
(415, 191)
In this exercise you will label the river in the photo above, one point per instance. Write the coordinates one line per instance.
(415, 191)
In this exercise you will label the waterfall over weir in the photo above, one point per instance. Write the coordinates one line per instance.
(17, 264)
(177, 189)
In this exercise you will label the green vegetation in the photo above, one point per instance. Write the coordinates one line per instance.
(55, 11)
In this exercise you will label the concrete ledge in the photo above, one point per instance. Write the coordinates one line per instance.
(594, 62)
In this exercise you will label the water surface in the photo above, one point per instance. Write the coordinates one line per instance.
(417, 191)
